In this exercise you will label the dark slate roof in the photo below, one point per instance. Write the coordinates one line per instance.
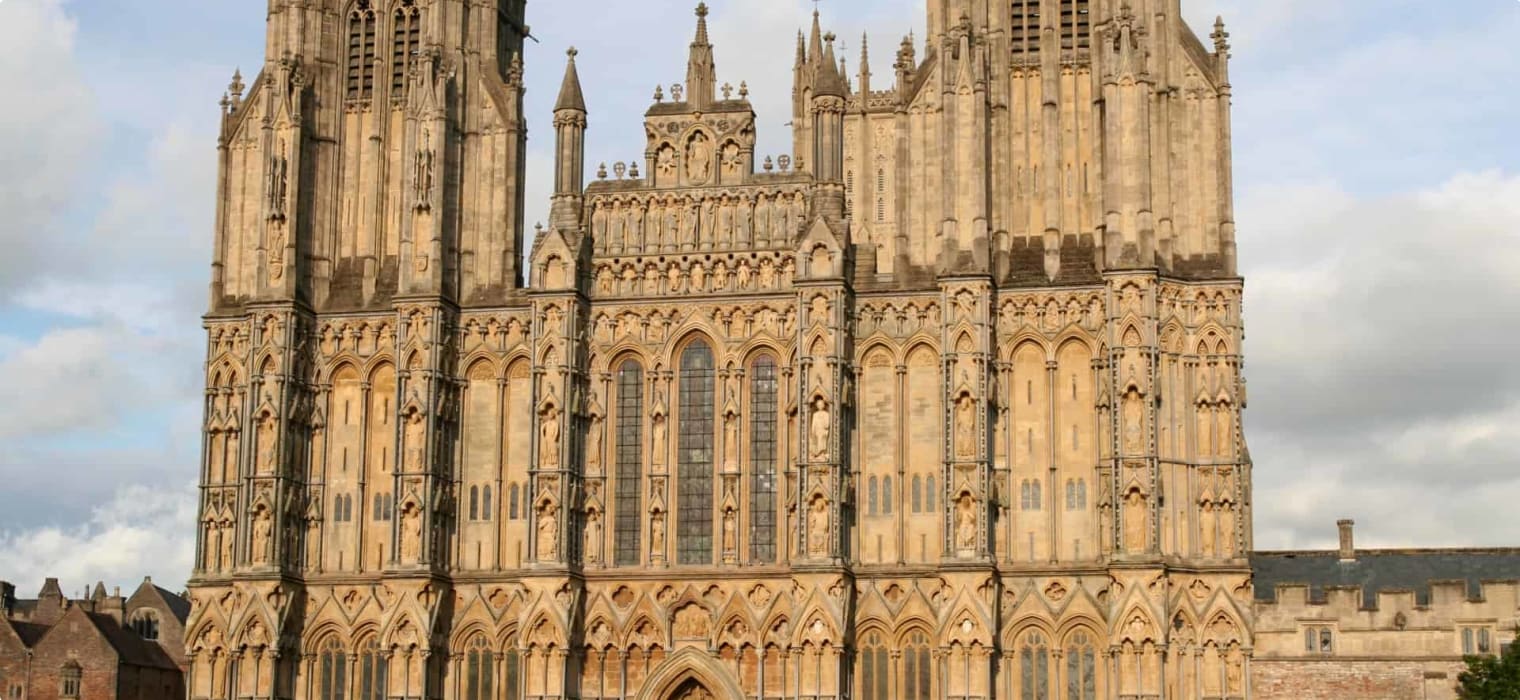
(1383, 570)
(134, 650)
(177, 605)
(28, 632)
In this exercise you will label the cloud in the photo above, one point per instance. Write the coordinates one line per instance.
(1381, 362)
(140, 532)
(48, 129)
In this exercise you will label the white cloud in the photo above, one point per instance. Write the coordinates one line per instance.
(1380, 359)
(48, 128)
(142, 531)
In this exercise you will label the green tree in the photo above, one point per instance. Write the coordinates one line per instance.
(1491, 678)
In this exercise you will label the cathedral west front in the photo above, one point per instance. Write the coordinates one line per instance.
(945, 404)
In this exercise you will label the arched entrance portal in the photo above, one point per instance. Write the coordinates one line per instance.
(692, 690)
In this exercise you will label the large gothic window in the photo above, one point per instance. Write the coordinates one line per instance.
(361, 52)
(332, 674)
(918, 673)
(477, 670)
(695, 457)
(406, 38)
(512, 670)
(1081, 668)
(874, 684)
(630, 463)
(762, 456)
(373, 671)
(1034, 668)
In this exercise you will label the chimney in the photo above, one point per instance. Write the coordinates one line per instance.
(1348, 540)
(7, 598)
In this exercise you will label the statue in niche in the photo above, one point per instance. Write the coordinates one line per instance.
(657, 534)
(965, 427)
(616, 224)
(226, 543)
(1134, 521)
(762, 223)
(1208, 536)
(1134, 422)
(665, 163)
(699, 157)
(548, 532)
(635, 226)
(725, 233)
(594, 537)
(548, 439)
(690, 221)
(411, 533)
(720, 276)
(1226, 545)
(820, 423)
(965, 522)
(731, 159)
(730, 531)
(264, 462)
(818, 527)
(670, 228)
(1205, 429)
(744, 229)
(652, 277)
(263, 531)
(745, 275)
(657, 446)
(673, 276)
(423, 172)
(698, 278)
(1220, 441)
(416, 442)
(604, 280)
(767, 274)
(599, 224)
(594, 446)
(731, 443)
(1234, 672)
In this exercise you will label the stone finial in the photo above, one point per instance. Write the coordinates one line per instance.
(769, 164)
(675, 91)
(633, 170)
(659, 93)
(1220, 36)
(601, 172)
(728, 91)
(743, 90)
(786, 162)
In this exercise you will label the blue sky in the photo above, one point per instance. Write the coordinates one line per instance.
(1378, 187)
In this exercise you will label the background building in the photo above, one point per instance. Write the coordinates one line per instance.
(944, 404)
(96, 646)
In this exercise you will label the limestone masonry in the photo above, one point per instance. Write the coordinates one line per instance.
(944, 404)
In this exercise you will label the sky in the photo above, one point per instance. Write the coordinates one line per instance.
(1377, 182)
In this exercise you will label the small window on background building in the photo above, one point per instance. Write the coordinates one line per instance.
(1319, 640)
(69, 681)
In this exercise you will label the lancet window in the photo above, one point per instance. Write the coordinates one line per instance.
(373, 671)
(1081, 668)
(918, 673)
(1034, 668)
(478, 670)
(630, 463)
(874, 683)
(695, 457)
(332, 672)
(406, 37)
(361, 52)
(762, 455)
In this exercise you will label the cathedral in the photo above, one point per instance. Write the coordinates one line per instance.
(945, 404)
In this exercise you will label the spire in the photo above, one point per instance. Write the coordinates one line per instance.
(815, 44)
(701, 75)
(830, 81)
(801, 50)
(865, 65)
(570, 95)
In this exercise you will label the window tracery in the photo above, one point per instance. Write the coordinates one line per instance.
(764, 408)
(360, 78)
(630, 463)
(406, 36)
(695, 456)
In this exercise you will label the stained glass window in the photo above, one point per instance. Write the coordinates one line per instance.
(630, 462)
(695, 457)
(334, 671)
(1081, 668)
(762, 456)
(373, 671)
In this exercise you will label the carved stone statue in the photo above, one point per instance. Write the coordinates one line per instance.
(594, 446)
(821, 425)
(818, 527)
(416, 442)
(227, 542)
(657, 446)
(548, 532)
(730, 531)
(699, 157)
(1135, 536)
(264, 464)
(594, 537)
(730, 443)
(965, 427)
(965, 523)
(1134, 422)
(263, 527)
(411, 533)
(657, 534)
(548, 440)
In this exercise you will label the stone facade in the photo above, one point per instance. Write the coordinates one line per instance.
(944, 404)
(98, 646)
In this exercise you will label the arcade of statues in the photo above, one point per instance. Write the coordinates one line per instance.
(943, 404)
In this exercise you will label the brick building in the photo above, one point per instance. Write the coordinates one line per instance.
(96, 647)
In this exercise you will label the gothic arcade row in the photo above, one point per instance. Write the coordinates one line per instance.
(943, 404)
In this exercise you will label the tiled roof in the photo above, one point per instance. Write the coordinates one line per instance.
(177, 605)
(1383, 570)
(133, 649)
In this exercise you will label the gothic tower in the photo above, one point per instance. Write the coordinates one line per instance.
(946, 403)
